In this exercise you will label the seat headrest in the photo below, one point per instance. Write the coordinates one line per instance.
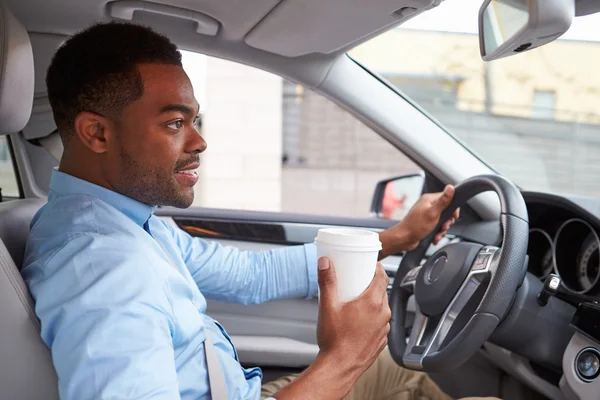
(16, 74)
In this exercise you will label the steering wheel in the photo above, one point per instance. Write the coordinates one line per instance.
(464, 290)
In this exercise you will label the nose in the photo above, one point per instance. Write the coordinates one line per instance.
(195, 142)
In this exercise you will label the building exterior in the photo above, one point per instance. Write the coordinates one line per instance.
(275, 146)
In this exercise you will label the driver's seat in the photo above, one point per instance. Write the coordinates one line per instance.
(26, 369)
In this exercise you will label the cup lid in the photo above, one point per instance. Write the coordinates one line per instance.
(350, 237)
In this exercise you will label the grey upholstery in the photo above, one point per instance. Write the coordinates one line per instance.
(26, 369)
(14, 225)
(26, 366)
(16, 74)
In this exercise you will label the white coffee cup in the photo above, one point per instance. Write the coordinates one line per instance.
(354, 254)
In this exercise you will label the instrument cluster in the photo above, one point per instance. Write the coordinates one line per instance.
(571, 251)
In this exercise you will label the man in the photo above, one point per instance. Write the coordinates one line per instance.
(121, 295)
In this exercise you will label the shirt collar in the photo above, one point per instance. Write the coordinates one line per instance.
(66, 184)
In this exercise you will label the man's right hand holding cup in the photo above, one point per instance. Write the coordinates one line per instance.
(354, 332)
(350, 336)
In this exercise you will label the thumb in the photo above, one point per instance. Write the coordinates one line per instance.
(445, 198)
(327, 281)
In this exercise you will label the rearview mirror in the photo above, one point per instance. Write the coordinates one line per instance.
(508, 27)
(394, 197)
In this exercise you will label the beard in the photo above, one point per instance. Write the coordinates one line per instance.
(154, 185)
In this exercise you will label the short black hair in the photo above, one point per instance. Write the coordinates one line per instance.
(96, 70)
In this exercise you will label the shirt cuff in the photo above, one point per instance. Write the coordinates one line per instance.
(310, 251)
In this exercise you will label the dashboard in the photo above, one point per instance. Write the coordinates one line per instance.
(564, 240)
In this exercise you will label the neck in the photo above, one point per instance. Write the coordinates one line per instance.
(85, 165)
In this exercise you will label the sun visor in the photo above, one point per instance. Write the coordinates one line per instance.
(586, 7)
(299, 27)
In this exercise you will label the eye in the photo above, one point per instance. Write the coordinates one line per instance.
(198, 123)
(176, 125)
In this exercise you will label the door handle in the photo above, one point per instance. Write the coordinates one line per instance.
(125, 9)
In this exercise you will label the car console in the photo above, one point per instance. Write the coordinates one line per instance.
(581, 360)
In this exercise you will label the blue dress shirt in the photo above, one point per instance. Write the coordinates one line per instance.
(123, 308)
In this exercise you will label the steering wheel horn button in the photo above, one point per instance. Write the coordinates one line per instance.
(442, 275)
(436, 270)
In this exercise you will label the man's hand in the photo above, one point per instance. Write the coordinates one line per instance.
(355, 332)
(350, 336)
(420, 221)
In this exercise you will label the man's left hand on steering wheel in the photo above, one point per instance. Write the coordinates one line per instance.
(421, 220)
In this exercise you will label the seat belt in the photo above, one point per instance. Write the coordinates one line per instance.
(216, 380)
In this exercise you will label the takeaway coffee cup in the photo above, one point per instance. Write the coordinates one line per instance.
(353, 253)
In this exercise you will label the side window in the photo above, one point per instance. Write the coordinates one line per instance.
(275, 146)
(8, 178)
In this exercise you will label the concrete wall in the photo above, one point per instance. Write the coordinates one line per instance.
(343, 159)
(553, 156)
(337, 160)
(568, 68)
(274, 146)
(337, 192)
(241, 168)
(243, 124)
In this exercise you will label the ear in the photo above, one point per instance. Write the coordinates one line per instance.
(94, 131)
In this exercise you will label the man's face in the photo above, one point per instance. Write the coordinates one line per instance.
(155, 152)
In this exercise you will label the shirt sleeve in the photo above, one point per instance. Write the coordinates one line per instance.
(106, 317)
(228, 274)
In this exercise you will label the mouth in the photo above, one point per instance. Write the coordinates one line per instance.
(190, 169)
(188, 175)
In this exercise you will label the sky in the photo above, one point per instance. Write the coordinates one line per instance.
(464, 16)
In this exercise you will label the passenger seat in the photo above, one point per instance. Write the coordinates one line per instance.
(26, 369)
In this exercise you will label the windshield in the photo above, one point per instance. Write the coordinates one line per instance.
(535, 117)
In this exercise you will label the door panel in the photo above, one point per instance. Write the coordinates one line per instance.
(277, 333)
(260, 226)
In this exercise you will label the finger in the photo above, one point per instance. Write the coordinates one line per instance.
(384, 295)
(382, 343)
(387, 311)
(444, 198)
(386, 329)
(446, 226)
(438, 237)
(381, 335)
(385, 279)
(378, 284)
(456, 214)
(327, 282)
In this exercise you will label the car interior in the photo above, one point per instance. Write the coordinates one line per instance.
(517, 320)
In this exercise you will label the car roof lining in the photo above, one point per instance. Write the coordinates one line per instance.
(297, 39)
